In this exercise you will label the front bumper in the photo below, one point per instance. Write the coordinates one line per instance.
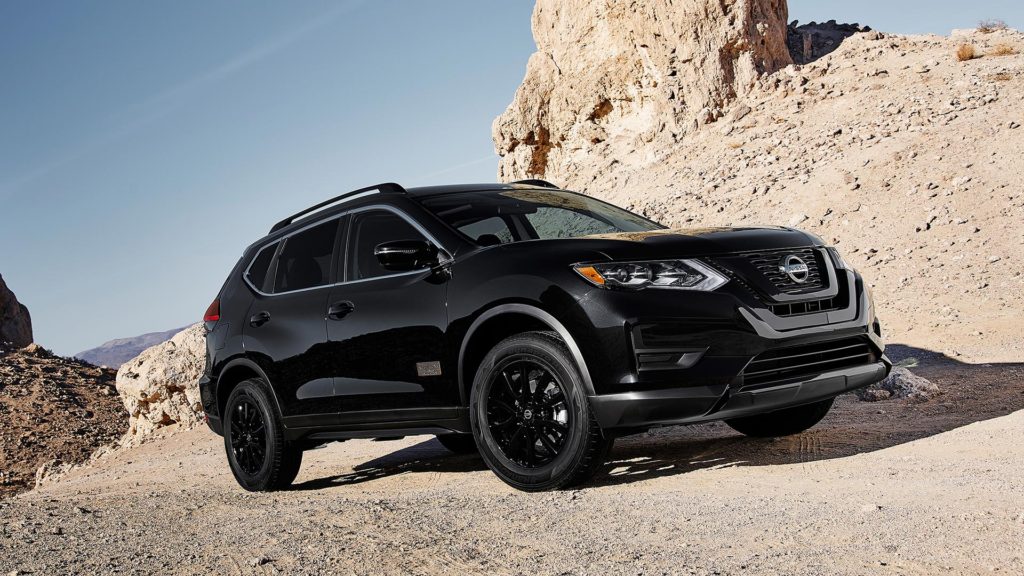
(691, 405)
(709, 356)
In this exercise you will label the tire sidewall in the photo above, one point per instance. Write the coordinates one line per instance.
(550, 355)
(255, 391)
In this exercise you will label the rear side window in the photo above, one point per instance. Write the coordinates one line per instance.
(305, 260)
(257, 272)
(369, 230)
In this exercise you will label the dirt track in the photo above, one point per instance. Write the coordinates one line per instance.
(939, 488)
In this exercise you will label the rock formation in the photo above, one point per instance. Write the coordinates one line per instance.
(55, 413)
(15, 322)
(887, 146)
(607, 75)
(160, 386)
(808, 42)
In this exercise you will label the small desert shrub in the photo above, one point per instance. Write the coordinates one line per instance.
(966, 52)
(1002, 77)
(1003, 50)
(989, 26)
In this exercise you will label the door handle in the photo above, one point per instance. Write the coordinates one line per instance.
(259, 319)
(339, 310)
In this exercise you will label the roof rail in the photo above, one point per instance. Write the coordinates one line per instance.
(537, 182)
(387, 187)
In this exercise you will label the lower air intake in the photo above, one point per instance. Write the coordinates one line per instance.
(806, 361)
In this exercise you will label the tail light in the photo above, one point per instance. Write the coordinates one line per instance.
(213, 312)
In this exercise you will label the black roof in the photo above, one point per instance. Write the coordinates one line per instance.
(392, 188)
(457, 188)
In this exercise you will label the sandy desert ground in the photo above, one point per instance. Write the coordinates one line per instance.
(893, 487)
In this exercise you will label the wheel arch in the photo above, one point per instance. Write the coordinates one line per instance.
(234, 373)
(502, 321)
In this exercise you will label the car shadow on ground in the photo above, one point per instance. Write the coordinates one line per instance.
(427, 456)
(968, 393)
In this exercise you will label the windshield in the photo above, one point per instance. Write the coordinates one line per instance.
(491, 217)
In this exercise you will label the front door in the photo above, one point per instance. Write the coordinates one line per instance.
(387, 329)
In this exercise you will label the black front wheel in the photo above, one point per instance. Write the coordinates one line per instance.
(782, 422)
(530, 415)
(260, 458)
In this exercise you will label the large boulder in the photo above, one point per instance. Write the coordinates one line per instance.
(618, 81)
(15, 322)
(160, 386)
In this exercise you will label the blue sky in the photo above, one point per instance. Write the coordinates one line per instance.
(143, 145)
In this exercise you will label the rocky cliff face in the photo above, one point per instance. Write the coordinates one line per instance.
(613, 82)
(15, 322)
(887, 146)
(54, 414)
(160, 387)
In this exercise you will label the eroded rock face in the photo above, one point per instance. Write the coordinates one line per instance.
(15, 322)
(621, 80)
(55, 413)
(160, 386)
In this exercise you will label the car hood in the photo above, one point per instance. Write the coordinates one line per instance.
(683, 242)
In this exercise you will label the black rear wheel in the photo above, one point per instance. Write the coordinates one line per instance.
(260, 458)
(530, 415)
(782, 422)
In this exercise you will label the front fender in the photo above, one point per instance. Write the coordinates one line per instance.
(538, 314)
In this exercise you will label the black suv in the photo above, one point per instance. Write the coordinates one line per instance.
(528, 323)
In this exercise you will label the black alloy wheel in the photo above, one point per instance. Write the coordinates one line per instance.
(527, 412)
(260, 457)
(248, 436)
(531, 417)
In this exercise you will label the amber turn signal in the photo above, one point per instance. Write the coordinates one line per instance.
(590, 273)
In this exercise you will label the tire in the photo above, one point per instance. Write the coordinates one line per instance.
(458, 443)
(782, 422)
(530, 415)
(260, 458)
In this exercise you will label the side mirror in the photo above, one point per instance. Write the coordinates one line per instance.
(406, 255)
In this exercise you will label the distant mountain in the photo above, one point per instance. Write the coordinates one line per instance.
(116, 352)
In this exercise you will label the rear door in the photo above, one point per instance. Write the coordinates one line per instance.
(390, 337)
(287, 327)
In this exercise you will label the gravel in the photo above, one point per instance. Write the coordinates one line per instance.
(921, 486)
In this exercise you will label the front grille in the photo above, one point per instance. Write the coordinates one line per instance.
(767, 263)
(798, 308)
(806, 361)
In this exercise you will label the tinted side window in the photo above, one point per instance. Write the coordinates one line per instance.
(305, 260)
(257, 274)
(370, 229)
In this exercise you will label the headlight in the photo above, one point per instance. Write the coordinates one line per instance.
(837, 259)
(680, 274)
